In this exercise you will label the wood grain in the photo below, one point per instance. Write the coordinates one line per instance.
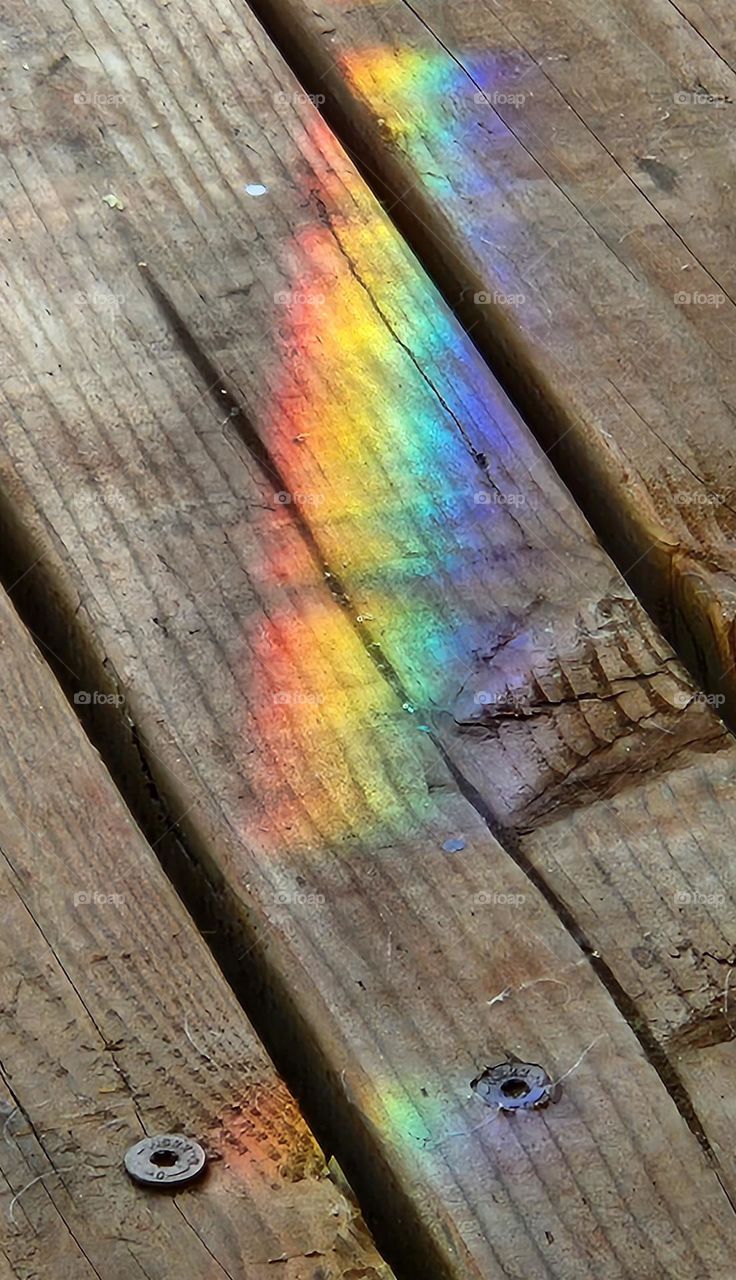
(566, 171)
(277, 504)
(116, 1024)
(711, 19)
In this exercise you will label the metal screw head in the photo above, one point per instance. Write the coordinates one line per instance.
(165, 1160)
(515, 1086)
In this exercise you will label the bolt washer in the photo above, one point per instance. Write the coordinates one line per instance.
(165, 1160)
(515, 1086)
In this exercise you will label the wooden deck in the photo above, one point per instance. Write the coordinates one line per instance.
(424, 776)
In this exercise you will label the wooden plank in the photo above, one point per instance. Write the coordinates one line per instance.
(569, 167)
(115, 1024)
(712, 20)
(295, 670)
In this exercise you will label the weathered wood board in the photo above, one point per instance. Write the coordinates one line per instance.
(114, 1024)
(567, 171)
(712, 19)
(284, 511)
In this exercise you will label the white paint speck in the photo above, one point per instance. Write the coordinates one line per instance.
(255, 189)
